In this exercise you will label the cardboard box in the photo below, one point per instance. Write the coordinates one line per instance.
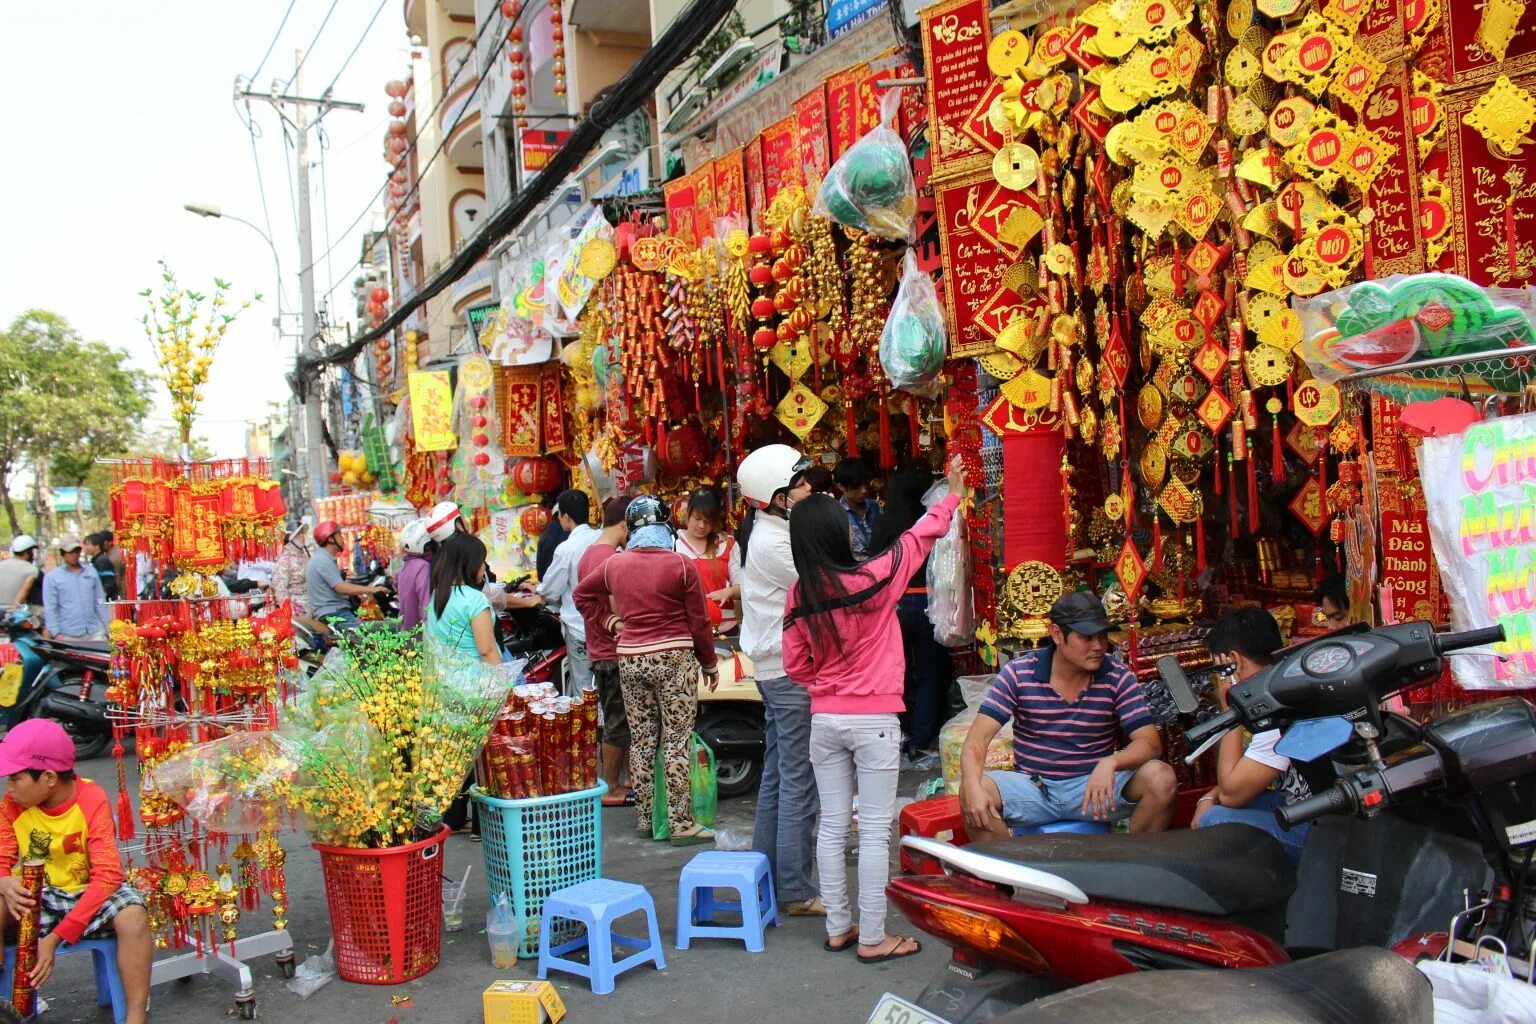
(522, 1002)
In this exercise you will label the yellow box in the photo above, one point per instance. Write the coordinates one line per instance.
(522, 1002)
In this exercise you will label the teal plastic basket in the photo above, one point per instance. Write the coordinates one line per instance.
(537, 847)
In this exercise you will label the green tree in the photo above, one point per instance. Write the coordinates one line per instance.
(67, 402)
(161, 442)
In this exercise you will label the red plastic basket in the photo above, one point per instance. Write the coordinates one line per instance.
(386, 909)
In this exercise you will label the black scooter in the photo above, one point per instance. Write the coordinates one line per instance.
(64, 681)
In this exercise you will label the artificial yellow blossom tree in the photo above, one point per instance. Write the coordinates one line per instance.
(185, 334)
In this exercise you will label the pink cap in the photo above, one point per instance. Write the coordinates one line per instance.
(38, 744)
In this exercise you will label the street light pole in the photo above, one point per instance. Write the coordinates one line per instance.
(212, 210)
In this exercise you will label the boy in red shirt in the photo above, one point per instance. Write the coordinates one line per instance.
(85, 892)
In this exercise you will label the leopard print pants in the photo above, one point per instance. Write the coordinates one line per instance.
(661, 694)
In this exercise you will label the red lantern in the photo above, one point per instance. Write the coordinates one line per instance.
(764, 337)
(682, 450)
(762, 308)
(482, 459)
(478, 402)
(534, 520)
(375, 309)
(478, 421)
(759, 244)
(536, 476)
(394, 88)
(480, 440)
(510, 8)
(396, 108)
(760, 275)
(379, 295)
(397, 144)
(397, 127)
(782, 271)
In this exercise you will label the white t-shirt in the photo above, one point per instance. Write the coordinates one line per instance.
(685, 547)
(1262, 749)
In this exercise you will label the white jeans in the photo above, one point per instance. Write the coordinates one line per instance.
(845, 748)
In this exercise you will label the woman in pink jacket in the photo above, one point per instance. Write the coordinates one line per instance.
(842, 641)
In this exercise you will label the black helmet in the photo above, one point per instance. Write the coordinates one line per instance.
(648, 510)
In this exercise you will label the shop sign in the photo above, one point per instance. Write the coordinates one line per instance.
(1408, 571)
(479, 317)
(955, 37)
(845, 15)
(539, 147)
(73, 499)
(1480, 487)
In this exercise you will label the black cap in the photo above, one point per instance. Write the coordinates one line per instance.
(1080, 612)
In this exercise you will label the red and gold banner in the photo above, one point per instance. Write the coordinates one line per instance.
(731, 188)
(781, 158)
(973, 264)
(432, 411)
(1452, 54)
(682, 210)
(815, 144)
(518, 392)
(197, 533)
(752, 170)
(1407, 560)
(843, 109)
(1032, 480)
(552, 410)
(704, 200)
(1493, 199)
(955, 38)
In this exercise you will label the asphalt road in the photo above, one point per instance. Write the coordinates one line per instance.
(793, 982)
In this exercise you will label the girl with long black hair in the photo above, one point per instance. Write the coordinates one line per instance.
(459, 614)
(843, 643)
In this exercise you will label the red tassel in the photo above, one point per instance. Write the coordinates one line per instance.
(1157, 541)
(1276, 454)
(126, 828)
(1232, 496)
(852, 430)
(1218, 469)
(1253, 496)
(887, 453)
(1200, 539)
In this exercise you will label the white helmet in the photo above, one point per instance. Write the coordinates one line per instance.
(22, 544)
(767, 471)
(440, 520)
(413, 538)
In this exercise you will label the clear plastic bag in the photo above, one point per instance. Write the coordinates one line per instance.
(952, 737)
(949, 581)
(870, 188)
(504, 932)
(313, 973)
(912, 343)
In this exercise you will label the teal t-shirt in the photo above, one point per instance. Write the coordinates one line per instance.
(453, 628)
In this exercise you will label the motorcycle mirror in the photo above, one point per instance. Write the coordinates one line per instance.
(1173, 677)
(1311, 739)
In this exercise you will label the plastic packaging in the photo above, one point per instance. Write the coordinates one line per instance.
(870, 188)
(1408, 318)
(912, 343)
(949, 581)
(952, 736)
(702, 785)
(504, 932)
(733, 839)
(313, 973)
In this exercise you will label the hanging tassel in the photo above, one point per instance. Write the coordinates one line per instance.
(1232, 496)
(850, 428)
(1218, 474)
(887, 454)
(1200, 539)
(1253, 495)
(1157, 541)
(1276, 453)
(126, 828)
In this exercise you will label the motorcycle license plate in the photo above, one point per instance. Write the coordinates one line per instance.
(893, 1009)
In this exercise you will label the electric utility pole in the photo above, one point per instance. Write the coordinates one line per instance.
(309, 343)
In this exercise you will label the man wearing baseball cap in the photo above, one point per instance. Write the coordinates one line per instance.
(20, 582)
(85, 893)
(1069, 703)
(74, 605)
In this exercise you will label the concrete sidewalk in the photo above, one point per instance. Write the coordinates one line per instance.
(794, 982)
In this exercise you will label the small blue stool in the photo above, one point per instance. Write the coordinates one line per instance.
(1080, 828)
(109, 984)
(597, 904)
(747, 873)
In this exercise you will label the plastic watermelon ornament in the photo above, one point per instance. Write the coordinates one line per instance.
(1386, 345)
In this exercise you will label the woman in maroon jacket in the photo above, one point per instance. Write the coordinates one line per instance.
(651, 600)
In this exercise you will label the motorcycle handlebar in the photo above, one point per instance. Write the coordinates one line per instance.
(1448, 642)
(1337, 799)
(1200, 732)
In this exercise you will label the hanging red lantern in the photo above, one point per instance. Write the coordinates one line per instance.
(536, 475)
(482, 459)
(534, 520)
(478, 402)
(478, 421)
(510, 8)
(762, 307)
(380, 295)
(397, 144)
(480, 440)
(396, 108)
(395, 88)
(375, 309)
(397, 127)
(682, 450)
(764, 337)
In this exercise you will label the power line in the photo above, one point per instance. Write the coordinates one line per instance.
(311, 47)
(355, 46)
(261, 187)
(275, 36)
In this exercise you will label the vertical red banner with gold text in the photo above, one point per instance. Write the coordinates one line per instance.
(731, 188)
(752, 171)
(815, 144)
(704, 197)
(843, 109)
(781, 157)
(955, 37)
(682, 214)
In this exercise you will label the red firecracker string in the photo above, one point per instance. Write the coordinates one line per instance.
(1253, 493)
(1232, 526)
(1276, 453)
(1200, 539)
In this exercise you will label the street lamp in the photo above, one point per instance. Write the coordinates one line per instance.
(212, 210)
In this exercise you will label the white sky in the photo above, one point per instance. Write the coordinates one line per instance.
(120, 112)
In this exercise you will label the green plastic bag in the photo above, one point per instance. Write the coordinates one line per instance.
(701, 777)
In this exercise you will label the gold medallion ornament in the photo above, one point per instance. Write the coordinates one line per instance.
(1149, 407)
(1239, 17)
(800, 410)
(1008, 53)
(598, 258)
(1154, 465)
(1317, 404)
(1501, 19)
(1016, 166)
(1268, 367)
(1031, 589)
(1503, 116)
(475, 374)
(1114, 508)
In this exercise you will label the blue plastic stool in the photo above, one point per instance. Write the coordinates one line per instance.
(109, 984)
(1081, 828)
(747, 873)
(597, 904)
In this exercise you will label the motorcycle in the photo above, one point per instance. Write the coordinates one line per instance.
(730, 721)
(63, 681)
(1417, 828)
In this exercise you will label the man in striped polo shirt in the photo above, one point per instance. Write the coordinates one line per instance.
(1070, 704)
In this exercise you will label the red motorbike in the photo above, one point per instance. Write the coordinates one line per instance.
(1033, 915)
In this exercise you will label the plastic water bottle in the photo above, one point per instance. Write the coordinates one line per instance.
(504, 932)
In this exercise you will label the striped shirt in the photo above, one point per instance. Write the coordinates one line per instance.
(1057, 740)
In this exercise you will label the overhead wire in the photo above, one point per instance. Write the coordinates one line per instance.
(273, 44)
(355, 47)
(303, 57)
(261, 185)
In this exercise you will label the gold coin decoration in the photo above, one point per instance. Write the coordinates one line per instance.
(1268, 366)
(1016, 166)
(1032, 588)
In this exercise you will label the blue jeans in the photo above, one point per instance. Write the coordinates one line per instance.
(787, 804)
(1031, 800)
(928, 673)
(1260, 813)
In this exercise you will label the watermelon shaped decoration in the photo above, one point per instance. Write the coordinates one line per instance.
(1387, 345)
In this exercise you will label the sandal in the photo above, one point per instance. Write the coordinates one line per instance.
(806, 908)
(895, 953)
(698, 837)
(850, 939)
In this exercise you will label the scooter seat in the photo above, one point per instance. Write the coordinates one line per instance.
(1352, 986)
(1216, 871)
